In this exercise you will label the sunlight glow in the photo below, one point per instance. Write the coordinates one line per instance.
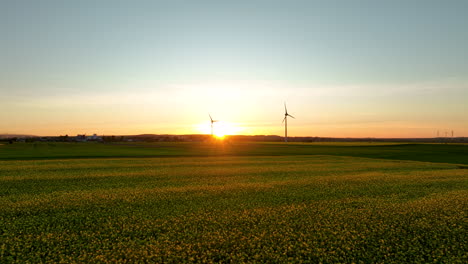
(220, 129)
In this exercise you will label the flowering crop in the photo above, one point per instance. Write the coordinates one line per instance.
(312, 209)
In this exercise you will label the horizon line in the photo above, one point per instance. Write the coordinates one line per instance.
(256, 135)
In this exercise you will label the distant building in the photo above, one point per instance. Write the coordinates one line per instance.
(94, 137)
(80, 138)
(84, 138)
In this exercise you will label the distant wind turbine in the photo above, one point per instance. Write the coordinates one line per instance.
(212, 121)
(285, 121)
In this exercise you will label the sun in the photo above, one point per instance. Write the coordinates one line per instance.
(219, 135)
(221, 129)
(219, 132)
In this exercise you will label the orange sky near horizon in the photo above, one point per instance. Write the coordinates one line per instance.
(244, 107)
(296, 127)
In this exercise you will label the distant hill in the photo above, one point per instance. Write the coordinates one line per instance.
(6, 136)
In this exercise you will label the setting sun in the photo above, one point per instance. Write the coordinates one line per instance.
(220, 129)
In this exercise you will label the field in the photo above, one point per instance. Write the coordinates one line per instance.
(233, 202)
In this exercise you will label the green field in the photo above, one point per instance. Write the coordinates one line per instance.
(445, 153)
(233, 202)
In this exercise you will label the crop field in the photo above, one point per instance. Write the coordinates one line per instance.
(249, 202)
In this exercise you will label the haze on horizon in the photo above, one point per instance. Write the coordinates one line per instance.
(345, 68)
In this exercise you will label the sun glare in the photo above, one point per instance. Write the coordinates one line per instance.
(220, 129)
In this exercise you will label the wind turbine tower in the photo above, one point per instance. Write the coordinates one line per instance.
(285, 121)
(212, 122)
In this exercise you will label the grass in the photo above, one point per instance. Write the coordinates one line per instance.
(242, 206)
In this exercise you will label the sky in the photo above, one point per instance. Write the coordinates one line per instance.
(344, 68)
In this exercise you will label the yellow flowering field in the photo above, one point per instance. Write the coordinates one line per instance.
(276, 209)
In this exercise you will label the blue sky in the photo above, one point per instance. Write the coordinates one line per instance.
(346, 68)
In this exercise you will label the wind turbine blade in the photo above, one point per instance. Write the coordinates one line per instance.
(285, 109)
(211, 118)
(283, 119)
(291, 116)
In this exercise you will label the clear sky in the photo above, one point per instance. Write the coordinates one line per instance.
(345, 68)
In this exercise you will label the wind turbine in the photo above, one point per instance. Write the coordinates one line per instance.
(285, 121)
(212, 121)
